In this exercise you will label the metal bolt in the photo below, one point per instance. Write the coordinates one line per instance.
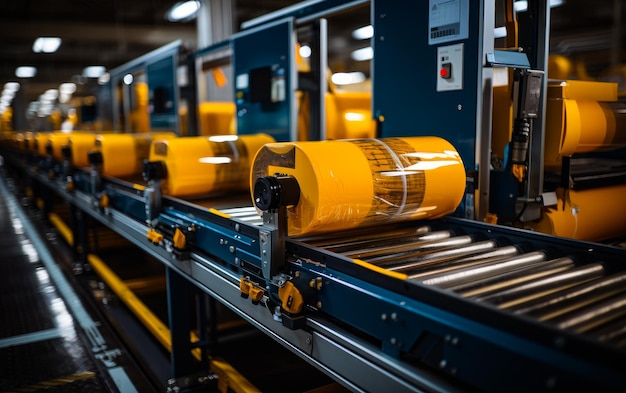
(231, 249)
(237, 227)
(459, 107)
(308, 340)
(455, 341)
(443, 363)
(221, 241)
(383, 317)
(318, 304)
(393, 341)
(382, 38)
(237, 261)
(394, 316)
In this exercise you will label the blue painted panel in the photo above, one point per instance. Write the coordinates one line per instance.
(262, 64)
(405, 77)
(162, 94)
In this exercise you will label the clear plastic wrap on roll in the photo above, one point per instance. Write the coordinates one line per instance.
(204, 165)
(350, 183)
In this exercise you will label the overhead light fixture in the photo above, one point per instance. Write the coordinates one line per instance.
(363, 33)
(94, 71)
(105, 78)
(183, 11)
(363, 54)
(67, 88)
(46, 44)
(25, 72)
(12, 86)
(128, 79)
(522, 5)
(347, 78)
(499, 32)
(305, 51)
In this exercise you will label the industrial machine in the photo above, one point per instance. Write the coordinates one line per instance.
(368, 257)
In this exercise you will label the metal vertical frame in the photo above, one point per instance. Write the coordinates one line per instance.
(179, 295)
(535, 39)
(484, 115)
(318, 69)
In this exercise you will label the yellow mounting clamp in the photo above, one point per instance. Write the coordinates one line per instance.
(244, 287)
(154, 236)
(291, 298)
(251, 290)
(180, 240)
(256, 293)
(104, 201)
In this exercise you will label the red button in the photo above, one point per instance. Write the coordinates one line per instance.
(443, 72)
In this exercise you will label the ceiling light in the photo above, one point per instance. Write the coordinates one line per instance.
(305, 51)
(363, 54)
(25, 72)
(46, 44)
(522, 5)
(183, 11)
(94, 71)
(105, 78)
(347, 78)
(363, 33)
(128, 79)
(499, 32)
(12, 86)
(67, 88)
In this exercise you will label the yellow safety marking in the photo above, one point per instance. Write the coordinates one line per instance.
(378, 269)
(228, 377)
(219, 213)
(139, 187)
(63, 229)
(56, 382)
(219, 77)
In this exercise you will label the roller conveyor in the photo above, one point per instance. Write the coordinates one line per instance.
(444, 277)
(504, 277)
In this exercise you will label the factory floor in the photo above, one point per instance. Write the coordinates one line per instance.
(49, 339)
(66, 332)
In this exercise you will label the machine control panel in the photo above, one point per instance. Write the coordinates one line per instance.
(450, 67)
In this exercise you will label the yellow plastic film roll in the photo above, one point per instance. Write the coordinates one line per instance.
(81, 144)
(204, 165)
(40, 143)
(57, 140)
(350, 183)
(593, 215)
(123, 154)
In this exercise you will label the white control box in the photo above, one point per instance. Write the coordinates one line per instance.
(450, 67)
